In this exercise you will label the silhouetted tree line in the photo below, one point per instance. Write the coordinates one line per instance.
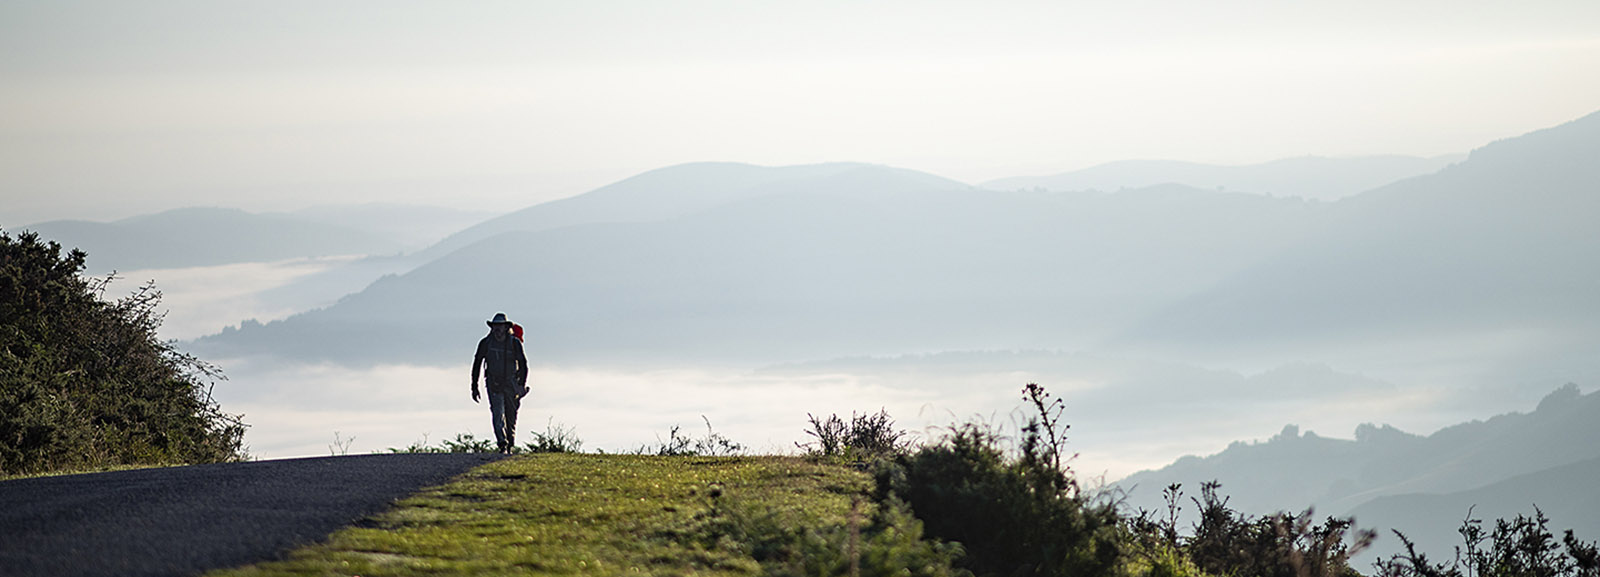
(1519, 547)
(86, 383)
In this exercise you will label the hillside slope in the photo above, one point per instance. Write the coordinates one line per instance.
(851, 265)
(1293, 471)
(607, 514)
(1566, 494)
(1498, 252)
(190, 237)
(1310, 177)
(684, 189)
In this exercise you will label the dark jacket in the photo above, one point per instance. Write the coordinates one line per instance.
(502, 362)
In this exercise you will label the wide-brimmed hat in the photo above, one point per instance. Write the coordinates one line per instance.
(499, 319)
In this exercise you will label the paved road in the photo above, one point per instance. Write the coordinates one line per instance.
(187, 520)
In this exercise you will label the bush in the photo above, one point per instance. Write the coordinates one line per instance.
(864, 437)
(555, 438)
(86, 383)
(1014, 515)
(1519, 547)
(677, 444)
(1227, 542)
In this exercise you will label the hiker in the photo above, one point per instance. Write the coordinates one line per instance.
(505, 372)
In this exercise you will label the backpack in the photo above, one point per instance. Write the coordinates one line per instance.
(501, 360)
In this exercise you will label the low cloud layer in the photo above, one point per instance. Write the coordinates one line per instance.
(297, 410)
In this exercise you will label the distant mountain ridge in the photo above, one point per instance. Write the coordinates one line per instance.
(1503, 239)
(792, 263)
(1566, 494)
(1338, 475)
(414, 227)
(684, 189)
(839, 265)
(1423, 485)
(1310, 177)
(189, 237)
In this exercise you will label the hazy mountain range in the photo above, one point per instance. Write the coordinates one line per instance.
(683, 190)
(1311, 177)
(1421, 485)
(734, 262)
(820, 270)
(192, 237)
(1500, 248)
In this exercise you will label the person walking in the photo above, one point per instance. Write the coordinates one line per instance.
(505, 372)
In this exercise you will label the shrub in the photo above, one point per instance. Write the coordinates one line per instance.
(86, 383)
(1227, 542)
(1519, 547)
(677, 444)
(1014, 515)
(555, 438)
(864, 437)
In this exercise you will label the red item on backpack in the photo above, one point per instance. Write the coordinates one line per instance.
(516, 331)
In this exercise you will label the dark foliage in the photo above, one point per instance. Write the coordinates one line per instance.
(866, 436)
(1518, 547)
(1227, 542)
(1014, 514)
(86, 383)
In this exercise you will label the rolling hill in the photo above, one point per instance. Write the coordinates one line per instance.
(206, 236)
(1423, 485)
(413, 227)
(1311, 177)
(1497, 253)
(861, 261)
(685, 189)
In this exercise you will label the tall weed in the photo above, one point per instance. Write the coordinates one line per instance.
(678, 444)
(864, 437)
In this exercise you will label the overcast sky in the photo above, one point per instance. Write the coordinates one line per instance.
(112, 108)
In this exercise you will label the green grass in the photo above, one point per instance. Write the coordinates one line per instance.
(84, 470)
(565, 514)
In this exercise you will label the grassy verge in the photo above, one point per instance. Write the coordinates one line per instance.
(564, 514)
(100, 469)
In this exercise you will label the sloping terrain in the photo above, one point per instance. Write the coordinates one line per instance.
(192, 237)
(758, 265)
(841, 268)
(1310, 177)
(1566, 494)
(1499, 248)
(585, 514)
(1295, 470)
(684, 189)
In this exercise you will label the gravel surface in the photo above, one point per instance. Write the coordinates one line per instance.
(187, 520)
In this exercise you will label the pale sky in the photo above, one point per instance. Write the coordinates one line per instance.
(111, 108)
